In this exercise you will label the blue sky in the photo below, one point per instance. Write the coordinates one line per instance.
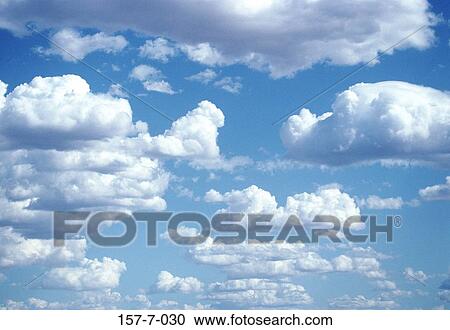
(384, 150)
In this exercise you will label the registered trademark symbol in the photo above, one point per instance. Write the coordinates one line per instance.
(397, 221)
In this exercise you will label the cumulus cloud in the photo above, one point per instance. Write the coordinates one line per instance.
(158, 49)
(327, 200)
(169, 283)
(281, 37)
(63, 146)
(143, 72)
(56, 111)
(90, 275)
(20, 251)
(151, 79)
(389, 122)
(436, 192)
(72, 46)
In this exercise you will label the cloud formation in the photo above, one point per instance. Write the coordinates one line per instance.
(436, 192)
(280, 37)
(391, 122)
(170, 283)
(73, 46)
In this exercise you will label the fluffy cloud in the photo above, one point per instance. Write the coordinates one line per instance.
(90, 275)
(151, 79)
(281, 37)
(436, 192)
(53, 112)
(327, 200)
(20, 251)
(158, 49)
(66, 147)
(73, 43)
(170, 283)
(256, 292)
(391, 122)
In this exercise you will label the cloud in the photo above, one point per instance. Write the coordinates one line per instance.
(70, 42)
(413, 275)
(204, 53)
(90, 275)
(361, 302)
(161, 86)
(151, 79)
(256, 292)
(20, 251)
(143, 72)
(170, 283)
(436, 192)
(194, 137)
(117, 90)
(158, 49)
(204, 77)
(278, 37)
(378, 203)
(53, 112)
(229, 84)
(327, 200)
(390, 122)
(98, 299)
(65, 147)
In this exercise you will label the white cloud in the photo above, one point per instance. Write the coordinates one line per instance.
(436, 192)
(256, 292)
(343, 263)
(281, 37)
(63, 146)
(55, 111)
(20, 251)
(327, 200)
(73, 43)
(229, 84)
(160, 86)
(90, 275)
(144, 72)
(204, 77)
(151, 79)
(391, 122)
(378, 203)
(170, 283)
(204, 53)
(158, 49)
(361, 302)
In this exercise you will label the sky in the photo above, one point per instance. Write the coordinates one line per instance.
(200, 106)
